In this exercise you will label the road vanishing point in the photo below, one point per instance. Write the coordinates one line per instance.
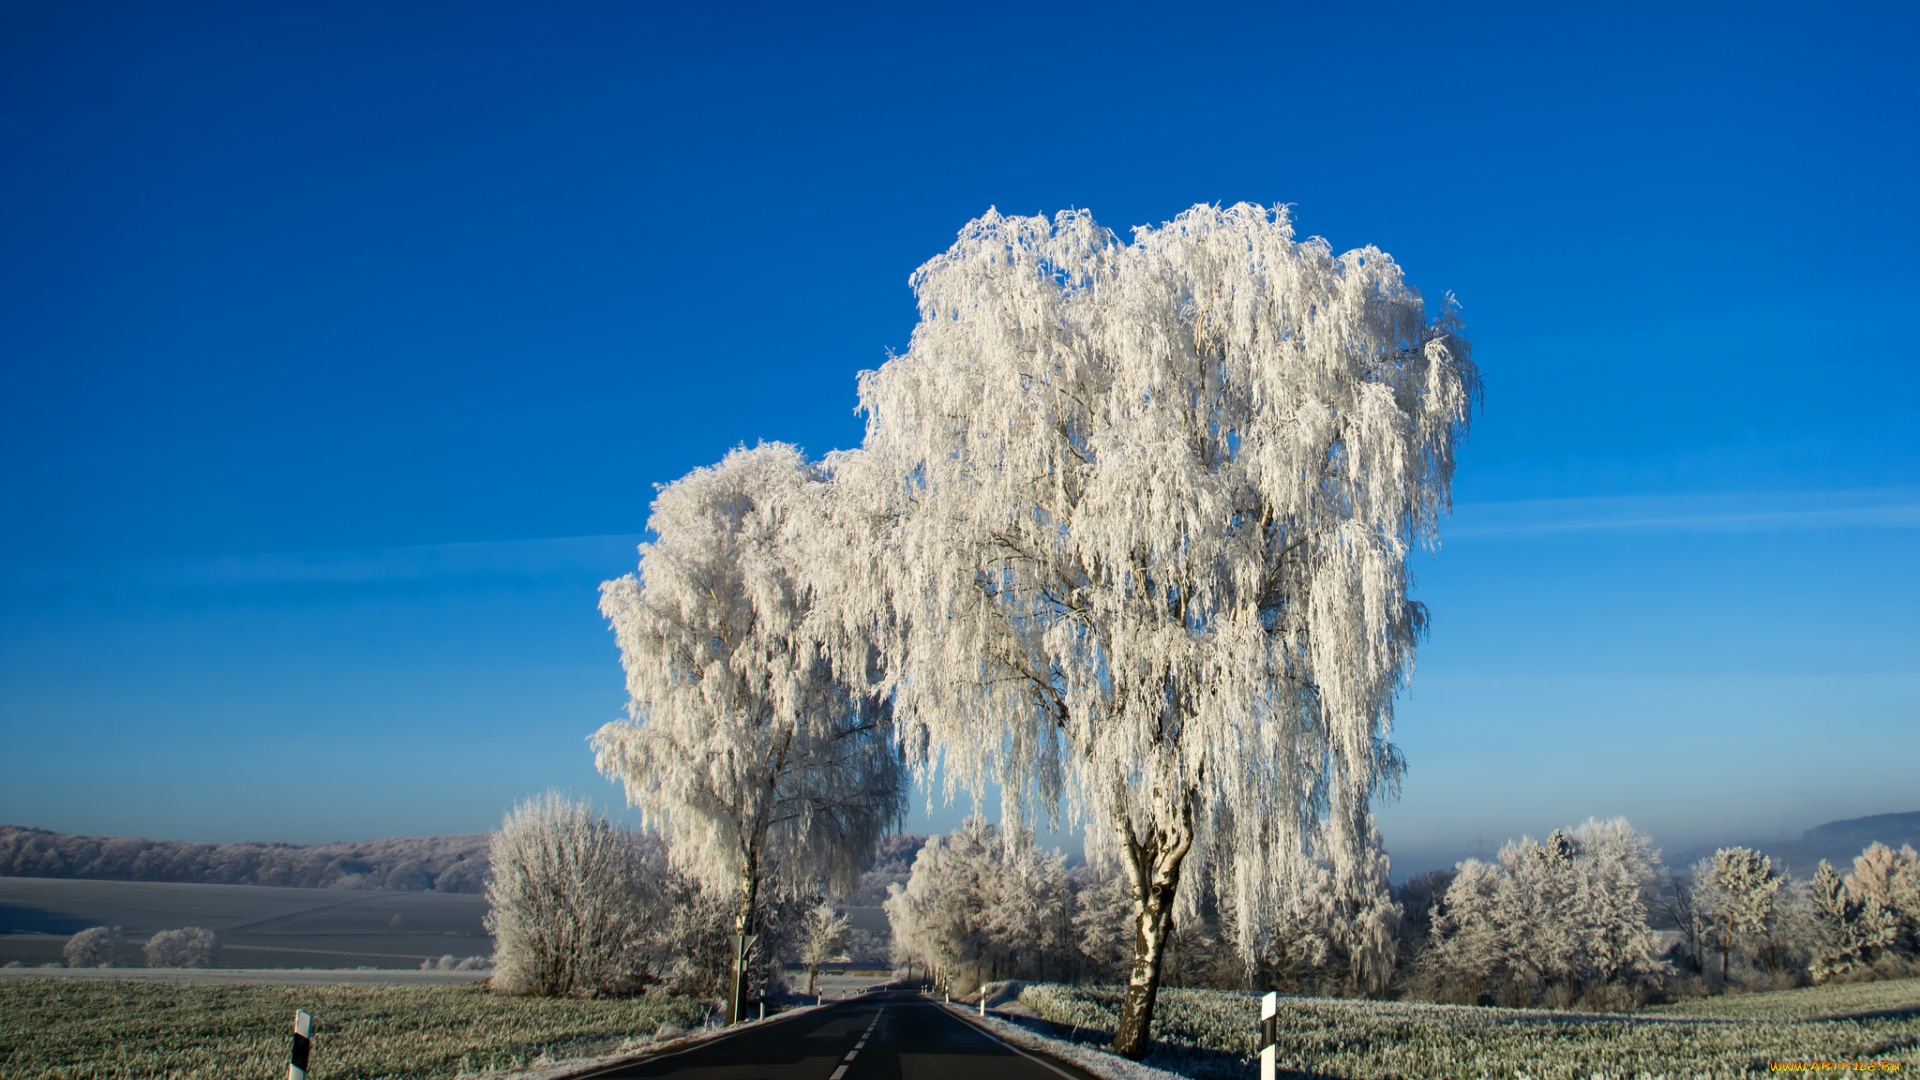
(894, 1035)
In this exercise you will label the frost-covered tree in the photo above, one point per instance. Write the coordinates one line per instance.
(1744, 886)
(752, 743)
(823, 938)
(1554, 922)
(1850, 927)
(189, 947)
(1617, 876)
(567, 897)
(96, 946)
(1785, 944)
(981, 906)
(1467, 957)
(1102, 922)
(939, 916)
(1892, 880)
(1138, 517)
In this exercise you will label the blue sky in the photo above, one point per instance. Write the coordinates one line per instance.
(341, 348)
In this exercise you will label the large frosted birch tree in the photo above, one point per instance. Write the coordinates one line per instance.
(751, 744)
(1139, 517)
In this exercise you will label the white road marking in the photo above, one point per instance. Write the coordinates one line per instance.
(838, 1073)
(981, 1028)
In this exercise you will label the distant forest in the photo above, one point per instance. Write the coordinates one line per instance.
(450, 864)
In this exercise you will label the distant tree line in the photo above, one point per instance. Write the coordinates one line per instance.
(1565, 922)
(453, 864)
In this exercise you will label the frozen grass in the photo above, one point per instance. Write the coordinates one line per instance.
(72, 1030)
(1811, 1003)
(1205, 1033)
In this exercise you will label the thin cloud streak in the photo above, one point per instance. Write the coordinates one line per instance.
(493, 564)
(1885, 508)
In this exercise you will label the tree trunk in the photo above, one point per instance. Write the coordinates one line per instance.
(1153, 867)
(745, 922)
(1726, 953)
(746, 918)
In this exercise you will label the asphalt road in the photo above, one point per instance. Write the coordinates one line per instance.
(886, 1036)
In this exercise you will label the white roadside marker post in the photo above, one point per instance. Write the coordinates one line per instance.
(1269, 1034)
(302, 1040)
(983, 1001)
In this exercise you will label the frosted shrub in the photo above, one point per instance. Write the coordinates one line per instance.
(191, 947)
(93, 947)
(564, 898)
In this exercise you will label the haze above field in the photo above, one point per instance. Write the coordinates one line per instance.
(344, 346)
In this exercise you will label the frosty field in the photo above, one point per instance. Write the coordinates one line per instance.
(1206, 1033)
(258, 926)
(56, 1029)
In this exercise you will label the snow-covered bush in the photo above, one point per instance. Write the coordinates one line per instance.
(95, 946)
(566, 903)
(1553, 923)
(189, 947)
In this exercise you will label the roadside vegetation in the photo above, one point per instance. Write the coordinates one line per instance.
(1212, 1033)
(68, 1030)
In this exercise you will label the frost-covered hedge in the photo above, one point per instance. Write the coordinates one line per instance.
(1209, 1033)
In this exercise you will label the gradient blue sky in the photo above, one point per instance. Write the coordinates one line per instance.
(341, 346)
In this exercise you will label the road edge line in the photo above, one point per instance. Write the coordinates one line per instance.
(1029, 1055)
(588, 1072)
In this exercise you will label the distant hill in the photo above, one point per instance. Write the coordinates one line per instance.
(448, 864)
(1836, 841)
